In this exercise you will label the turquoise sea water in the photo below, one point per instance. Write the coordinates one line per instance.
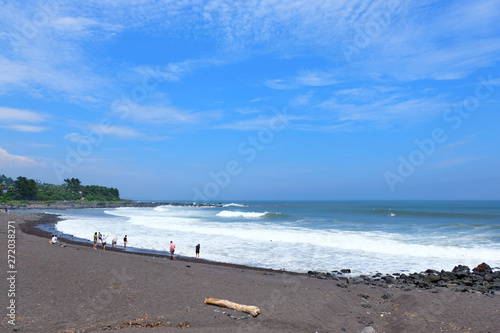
(365, 236)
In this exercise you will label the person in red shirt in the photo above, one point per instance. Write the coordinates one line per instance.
(172, 250)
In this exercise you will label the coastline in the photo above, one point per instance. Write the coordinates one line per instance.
(461, 278)
(78, 205)
(73, 288)
(31, 227)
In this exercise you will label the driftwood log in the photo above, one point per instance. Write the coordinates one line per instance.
(253, 310)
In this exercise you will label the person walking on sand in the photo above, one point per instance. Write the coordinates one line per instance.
(172, 250)
(125, 243)
(95, 241)
(197, 248)
(104, 238)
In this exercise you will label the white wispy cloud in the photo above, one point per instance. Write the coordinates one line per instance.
(21, 120)
(305, 78)
(47, 58)
(14, 115)
(118, 131)
(10, 160)
(162, 114)
(443, 44)
(467, 140)
(372, 107)
(28, 128)
(82, 25)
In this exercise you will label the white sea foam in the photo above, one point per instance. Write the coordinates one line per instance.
(234, 205)
(246, 238)
(229, 213)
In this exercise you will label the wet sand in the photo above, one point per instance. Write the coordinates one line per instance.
(74, 288)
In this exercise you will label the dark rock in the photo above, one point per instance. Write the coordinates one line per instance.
(358, 280)
(482, 268)
(387, 295)
(389, 279)
(433, 278)
(467, 282)
(461, 271)
(445, 278)
(342, 285)
(366, 305)
(441, 283)
(345, 270)
(363, 295)
(424, 284)
(449, 275)
(461, 289)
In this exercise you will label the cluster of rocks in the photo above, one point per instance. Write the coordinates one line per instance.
(481, 279)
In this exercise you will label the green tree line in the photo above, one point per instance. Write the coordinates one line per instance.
(28, 189)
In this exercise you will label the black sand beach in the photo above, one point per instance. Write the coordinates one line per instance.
(74, 288)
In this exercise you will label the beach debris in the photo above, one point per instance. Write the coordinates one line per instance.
(253, 310)
(368, 329)
(141, 323)
(183, 325)
(233, 316)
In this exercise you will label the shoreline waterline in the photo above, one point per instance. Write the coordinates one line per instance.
(365, 236)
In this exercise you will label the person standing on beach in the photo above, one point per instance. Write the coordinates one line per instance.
(113, 243)
(104, 238)
(125, 243)
(172, 250)
(95, 241)
(197, 251)
(99, 237)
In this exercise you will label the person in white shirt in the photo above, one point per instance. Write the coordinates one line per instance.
(53, 240)
(104, 238)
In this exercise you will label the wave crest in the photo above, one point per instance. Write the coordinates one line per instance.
(230, 213)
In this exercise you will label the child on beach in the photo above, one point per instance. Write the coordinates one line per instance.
(197, 249)
(53, 240)
(95, 241)
(125, 242)
(113, 243)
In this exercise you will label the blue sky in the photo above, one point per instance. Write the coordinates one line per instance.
(254, 100)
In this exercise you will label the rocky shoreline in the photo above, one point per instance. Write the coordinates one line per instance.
(79, 205)
(482, 279)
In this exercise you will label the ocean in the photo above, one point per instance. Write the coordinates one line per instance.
(363, 236)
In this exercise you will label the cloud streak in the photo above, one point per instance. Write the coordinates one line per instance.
(9, 160)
